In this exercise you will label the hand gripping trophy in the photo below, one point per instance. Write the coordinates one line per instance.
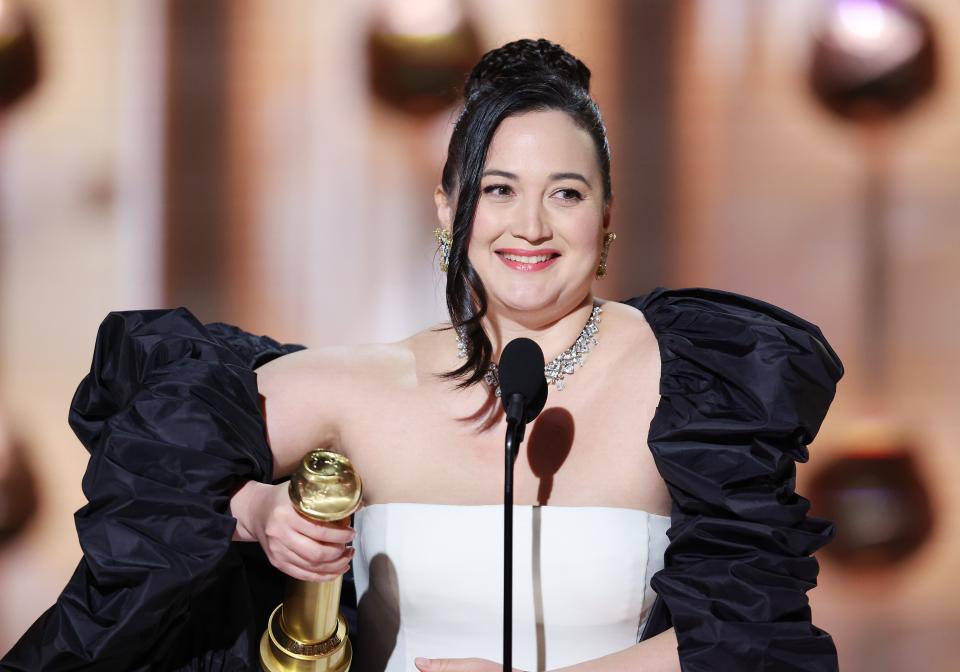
(306, 632)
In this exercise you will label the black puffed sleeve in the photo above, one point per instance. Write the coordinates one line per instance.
(171, 416)
(744, 388)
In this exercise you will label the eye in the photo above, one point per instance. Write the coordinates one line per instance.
(571, 195)
(498, 190)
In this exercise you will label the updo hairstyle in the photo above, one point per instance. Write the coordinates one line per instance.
(522, 76)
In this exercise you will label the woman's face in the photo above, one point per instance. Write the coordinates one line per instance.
(540, 216)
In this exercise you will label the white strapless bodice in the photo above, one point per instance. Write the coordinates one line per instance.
(429, 582)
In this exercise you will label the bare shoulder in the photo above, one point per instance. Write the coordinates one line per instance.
(308, 396)
(631, 355)
(626, 327)
(338, 366)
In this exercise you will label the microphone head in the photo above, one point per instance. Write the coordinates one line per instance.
(521, 372)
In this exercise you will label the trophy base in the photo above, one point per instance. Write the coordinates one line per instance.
(281, 653)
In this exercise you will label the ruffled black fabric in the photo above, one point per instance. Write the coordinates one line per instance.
(171, 416)
(744, 388)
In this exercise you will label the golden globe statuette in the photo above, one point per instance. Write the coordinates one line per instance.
(306, 632)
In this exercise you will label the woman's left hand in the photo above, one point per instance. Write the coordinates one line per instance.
(458, 665)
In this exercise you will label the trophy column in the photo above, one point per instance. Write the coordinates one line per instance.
(306, 632)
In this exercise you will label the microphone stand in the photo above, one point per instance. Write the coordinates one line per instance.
(515, 430)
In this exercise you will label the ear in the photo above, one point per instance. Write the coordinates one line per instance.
(606, 217)
(444, 208)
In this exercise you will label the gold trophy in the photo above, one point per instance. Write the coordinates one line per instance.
(306, 632)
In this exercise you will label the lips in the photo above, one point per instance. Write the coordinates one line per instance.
(528, 260)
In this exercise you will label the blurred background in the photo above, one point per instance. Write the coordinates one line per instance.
(271, 164)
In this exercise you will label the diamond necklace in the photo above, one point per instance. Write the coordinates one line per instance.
(557, 369)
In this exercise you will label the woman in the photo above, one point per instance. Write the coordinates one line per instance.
(656, 489)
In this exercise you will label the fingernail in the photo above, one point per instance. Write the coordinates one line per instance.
(422, 663)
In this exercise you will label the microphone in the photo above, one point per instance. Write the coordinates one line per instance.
(523, 387)
(523, 392)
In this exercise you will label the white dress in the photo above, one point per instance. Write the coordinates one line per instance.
(429, 582)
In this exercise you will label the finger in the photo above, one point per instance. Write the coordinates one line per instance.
(333, 565)
(336, 562)
(314, 552)
(291, 564)
(328, 533)
(304, 575)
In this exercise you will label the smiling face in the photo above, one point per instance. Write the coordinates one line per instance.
(540, 217)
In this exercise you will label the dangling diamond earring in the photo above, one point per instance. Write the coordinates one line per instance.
(607, 242)
(445, 241)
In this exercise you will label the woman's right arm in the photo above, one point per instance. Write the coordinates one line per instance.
(299, 402)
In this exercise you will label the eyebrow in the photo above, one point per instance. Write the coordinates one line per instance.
(570, 176)
(552, 176)
(499, 173)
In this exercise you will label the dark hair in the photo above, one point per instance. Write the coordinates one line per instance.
(521, 76)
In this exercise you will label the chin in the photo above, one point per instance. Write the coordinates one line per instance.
(525, 306)
(528, 294)
(527, 301)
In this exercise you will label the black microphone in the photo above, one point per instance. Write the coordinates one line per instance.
(523, 391)
(523, 387)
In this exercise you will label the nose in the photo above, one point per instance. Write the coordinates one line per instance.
(531, 223)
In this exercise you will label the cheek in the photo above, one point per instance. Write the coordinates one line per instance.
(481, 231)
(584, 234)
(483, 234)
(486, 225)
